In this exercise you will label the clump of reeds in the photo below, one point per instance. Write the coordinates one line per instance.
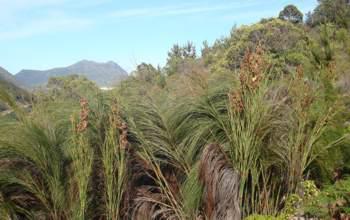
(82, 159)
(249, 113)
(114, 160)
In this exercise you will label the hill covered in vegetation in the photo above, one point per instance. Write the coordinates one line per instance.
(103, 74)
(256, 126)
(9, 84)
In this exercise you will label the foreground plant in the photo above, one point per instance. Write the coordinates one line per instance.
(33, 175)
(114, 159)
(81, 154)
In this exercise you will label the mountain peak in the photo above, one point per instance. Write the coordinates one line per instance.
(84, 61)
(90, 62)
(112, 62)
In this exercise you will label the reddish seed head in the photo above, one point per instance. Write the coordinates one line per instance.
(252, 69)
(236, 101)
(84, 114)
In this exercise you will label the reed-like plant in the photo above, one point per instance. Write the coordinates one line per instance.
(33, 168)
(114, 158)
(81, 154)
(160, 150)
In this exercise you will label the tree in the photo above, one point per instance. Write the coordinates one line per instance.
(71, 87)
(189, 50)
(332, 11)
(178, 56)
(146, 72)
(174, 59)
(291, 13)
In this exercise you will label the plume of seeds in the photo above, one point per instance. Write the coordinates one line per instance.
(84, 115)
(120, 125)
(252, 68)
(299, 72)
(236, 101)
(123, 131)
(251, 73)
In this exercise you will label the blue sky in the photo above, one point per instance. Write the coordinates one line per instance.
(41, 34)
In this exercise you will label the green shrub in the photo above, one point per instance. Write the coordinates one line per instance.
(266, 217)
(332, 200)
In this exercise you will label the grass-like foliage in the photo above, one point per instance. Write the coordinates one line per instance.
(255, 128)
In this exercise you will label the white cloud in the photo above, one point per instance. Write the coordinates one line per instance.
(184, 9)
(47, 25)
(25, 18)
(16, 6)
(29, 3)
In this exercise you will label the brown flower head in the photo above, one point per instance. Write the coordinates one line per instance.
(300, 72)
(252, 69)
(236, 101)
(84, 115)
(123, 131)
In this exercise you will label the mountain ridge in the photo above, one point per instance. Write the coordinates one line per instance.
(102, 73)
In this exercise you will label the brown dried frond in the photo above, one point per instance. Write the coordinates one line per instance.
(236, 101)
(221, 185)
(150, 204)
(252, 68)
(138, 176)
(172, 181)
(84, 115)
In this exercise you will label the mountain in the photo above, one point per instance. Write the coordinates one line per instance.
(5, 76)
(103, 74)
(10, 85)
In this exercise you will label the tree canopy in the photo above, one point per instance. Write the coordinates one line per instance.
(291, 13)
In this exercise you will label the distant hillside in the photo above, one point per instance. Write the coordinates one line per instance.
(8, 83)
(103, 74)
(6, 76)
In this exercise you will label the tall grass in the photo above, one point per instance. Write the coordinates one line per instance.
(268, 128)
(33, 168)
(160, 150)
(81, 154)
(114, 158)
(239, 143)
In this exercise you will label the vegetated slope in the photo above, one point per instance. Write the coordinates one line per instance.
(6, 76)
(9, 84)
(103, 74)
